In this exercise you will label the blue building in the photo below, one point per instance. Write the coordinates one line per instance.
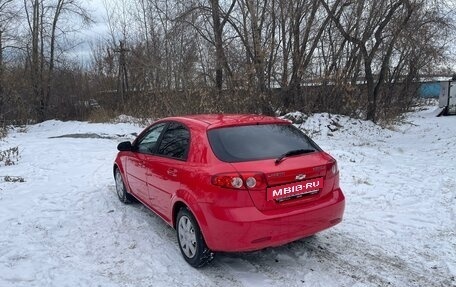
(429, 90)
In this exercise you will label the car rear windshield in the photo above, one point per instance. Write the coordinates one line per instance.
(256, 142)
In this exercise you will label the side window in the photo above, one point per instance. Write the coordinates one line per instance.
(175, 141)
(149, 142)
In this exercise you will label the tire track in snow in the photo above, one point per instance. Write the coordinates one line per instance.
(328, 256)
(372, 264)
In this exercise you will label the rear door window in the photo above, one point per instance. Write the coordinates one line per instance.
(175, 142)
(256, 142)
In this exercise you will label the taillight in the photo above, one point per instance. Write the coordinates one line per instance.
(243, 180)
(333, 168)
(228, 180)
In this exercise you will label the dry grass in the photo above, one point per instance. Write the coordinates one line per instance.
(3, 132)
(9, 178)
(101, 116)
(9, 156)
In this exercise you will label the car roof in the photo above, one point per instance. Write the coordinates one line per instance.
(211, 121)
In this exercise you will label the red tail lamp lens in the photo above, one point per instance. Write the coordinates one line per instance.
(228, 180)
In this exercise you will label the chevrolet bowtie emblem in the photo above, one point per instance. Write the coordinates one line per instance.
(300, 176)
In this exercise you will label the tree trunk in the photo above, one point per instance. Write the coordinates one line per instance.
(35, 69)
(371, 95)
(217, 27)
(1, 66)
(47, 94)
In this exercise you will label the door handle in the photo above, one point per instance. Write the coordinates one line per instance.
(172, 172)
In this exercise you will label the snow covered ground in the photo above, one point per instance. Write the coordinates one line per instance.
(64, 225)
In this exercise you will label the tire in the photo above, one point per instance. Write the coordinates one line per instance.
(191, 241)
(121, 190)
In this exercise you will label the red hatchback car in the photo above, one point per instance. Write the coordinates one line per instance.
(230, 182)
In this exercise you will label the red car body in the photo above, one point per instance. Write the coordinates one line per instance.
(293, 197)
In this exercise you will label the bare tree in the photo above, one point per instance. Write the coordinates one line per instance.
(379, 17)
(350, 55)
(8, 15)
(218, 24)
(45, 25)
(307, 25)
(69, 8)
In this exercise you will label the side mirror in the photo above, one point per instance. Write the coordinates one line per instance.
(125, 146)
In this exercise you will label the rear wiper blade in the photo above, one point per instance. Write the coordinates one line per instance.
(291, 153)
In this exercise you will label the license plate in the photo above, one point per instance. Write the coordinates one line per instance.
(293, 189)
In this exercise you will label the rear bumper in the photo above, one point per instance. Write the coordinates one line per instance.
(248, 229)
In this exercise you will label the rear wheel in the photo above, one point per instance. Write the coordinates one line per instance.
(191, 241)
(121, 190)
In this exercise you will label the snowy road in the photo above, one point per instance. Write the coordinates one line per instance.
(64, 225)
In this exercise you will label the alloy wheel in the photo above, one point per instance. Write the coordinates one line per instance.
(187, 236)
